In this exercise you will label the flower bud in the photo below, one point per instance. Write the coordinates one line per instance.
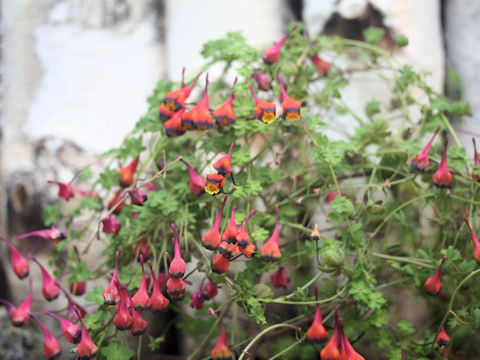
(111, 225)
(137, 196)
(421, 161)
(65, 190)
(476, 242)
(272, 54)
(50, 288)
(20, 265)
(433, 284)
(53, 234)
(86, 349)
(117, 198)
(442, 337)
(212, 238)
(197, 300)
(197, 183)
(78, 287)
(442, 177)
(51, 346)
(139, 324)
(142, 248)
(322, 66)
(21, 315)
(128, 173)
(280, 278)
(315, 235)
(177, 266)
(209, 290)
(158, 302)
(123, 317)
(264, 81)
(70, 330)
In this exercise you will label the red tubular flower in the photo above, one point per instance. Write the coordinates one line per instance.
(128, 173)
(177, 266)
(70, 330)
(211, 239)
(347, 350)
(317, 334)
(272, 54)
(173, 126)
(476, 242)
(65, 190)
(221, 349)
(280, 278)
(74, 311)
(243, 239)
(198, 117)
(115, 200)
(111, 225)
(215, 184)
(265, 110)
(123, 317)
(20, 265)
(442, 177)
(220, 264)
(197, 300)
(228, 250)
(51, 346)
(322, 66)
(290, 107)
(164, 113)
(141, 300)
(330, 351)
(249, 251)
(197, 183)
(50, 288)
(142, 248)
(53, 234)
(78, 287)
(270, 251)
(209, 290)
(21, 315)
(137, 196)
(442, 337)
(230, 233)
(158, 302)
(175, 100)
(139, 324)
(315, 235)
(421, 161)
(223, 165)
(224, 114)
(433, 284)
(264, 81)
(86, 349)
(110, 294)
(176, 289)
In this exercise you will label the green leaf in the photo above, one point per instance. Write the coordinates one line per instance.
(241, 156)
(95, 296)
(405, 327)
(373, 34)
(113, 351)
(51, 213)
(372, 108)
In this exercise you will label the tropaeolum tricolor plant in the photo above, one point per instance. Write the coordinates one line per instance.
(228, 211)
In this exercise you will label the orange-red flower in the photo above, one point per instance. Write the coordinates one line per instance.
(317, 333)
(315, 235)
(139, 324)
(243, 238)
(442, 177)
(421, 161)
(224, 114)
(272, 54)
(433, 284)
(164, 113)
(290, 107)
(176, 289)
(215, 184)
(211, 239)
(198, 117)
(220, 264)
(128, 173)
(141, 300)
(330, 351)
(223, 165)
(265, 110)
(230, 233)
(270, 251)
(117, 198)
(175, 100)
(221, 350)
(476, 242)
(249, 251)
(158, 302)
(110, 294)
(347, 350)
(123, 316)
(173, 126)
(177, 266)
(442, 337)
